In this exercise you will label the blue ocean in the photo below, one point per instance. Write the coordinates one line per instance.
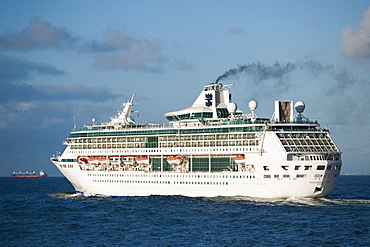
(47, 212)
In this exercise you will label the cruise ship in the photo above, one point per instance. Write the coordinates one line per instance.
(209, 149)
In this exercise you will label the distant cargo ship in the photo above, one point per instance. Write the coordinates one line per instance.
(29, 174)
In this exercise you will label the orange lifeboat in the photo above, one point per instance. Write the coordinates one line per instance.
(240, 160)
(83, 160)
(174, 160)
(143, 160)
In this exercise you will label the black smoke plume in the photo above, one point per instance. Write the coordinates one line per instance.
(259, 71)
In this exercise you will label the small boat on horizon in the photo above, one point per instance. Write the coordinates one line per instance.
(29, 174)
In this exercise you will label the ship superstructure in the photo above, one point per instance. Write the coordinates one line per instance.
(209, 149)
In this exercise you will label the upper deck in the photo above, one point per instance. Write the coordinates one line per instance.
(225, 126)
(213, 114)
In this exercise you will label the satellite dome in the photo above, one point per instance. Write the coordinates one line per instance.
(253, 105)
(231, 107)
(299, 106)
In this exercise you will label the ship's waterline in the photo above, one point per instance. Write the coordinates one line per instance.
(209, 149)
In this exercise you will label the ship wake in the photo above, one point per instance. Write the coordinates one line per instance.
(66, 195)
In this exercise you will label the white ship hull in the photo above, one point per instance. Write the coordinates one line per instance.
(111, 183)
(236, 155)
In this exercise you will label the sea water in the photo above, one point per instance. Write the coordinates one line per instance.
(47, 212)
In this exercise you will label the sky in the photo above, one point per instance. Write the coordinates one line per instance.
(66, 62)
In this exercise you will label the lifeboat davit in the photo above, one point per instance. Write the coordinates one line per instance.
(240, 160)
(174, 160)
(129, 160)
(97, 160)
(143, 160)
(114, 159)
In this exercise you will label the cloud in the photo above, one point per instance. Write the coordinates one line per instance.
(23, 92)
(114, 50)
(12, 68)
(74, 92)
(121, 51)
(25, 106)
(357, 44)
(39, 35)
(13, 72)
(33, 115)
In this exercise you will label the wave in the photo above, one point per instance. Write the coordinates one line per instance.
(347, 201)
(66, 195)
(293, 201)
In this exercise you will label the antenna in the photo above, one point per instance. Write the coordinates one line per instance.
(232, 107)
(253, 106)
(299, 107)
(74, 117)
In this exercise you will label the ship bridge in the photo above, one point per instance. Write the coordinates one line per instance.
(213, 103)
